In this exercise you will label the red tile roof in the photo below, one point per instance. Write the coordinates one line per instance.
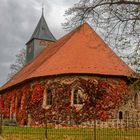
(81, 51)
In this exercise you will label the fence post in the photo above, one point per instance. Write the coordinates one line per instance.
(46, 123)
(126, 120)
(0, 123)
(94, 119)
(94, 126)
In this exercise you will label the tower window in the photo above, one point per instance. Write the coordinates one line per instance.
(49, 97)
(77, 97)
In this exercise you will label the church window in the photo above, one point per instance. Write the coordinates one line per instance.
(49, 97)
(120, 115)
(77, 97)
(136, 101)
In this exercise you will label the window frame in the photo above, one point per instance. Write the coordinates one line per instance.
(77, 99)
(78, 105)
(49, 98)
(45, 105)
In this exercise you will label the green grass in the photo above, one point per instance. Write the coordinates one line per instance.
(16, 133)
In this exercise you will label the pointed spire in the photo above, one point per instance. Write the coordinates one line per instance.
(42, 30)
(42, 8)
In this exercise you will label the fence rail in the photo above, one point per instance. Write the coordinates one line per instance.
(97, 130)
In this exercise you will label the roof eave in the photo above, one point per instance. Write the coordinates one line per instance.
(2, 90)
(40, 39)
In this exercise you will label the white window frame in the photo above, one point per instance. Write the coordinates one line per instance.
(72, 97)
(45, 105)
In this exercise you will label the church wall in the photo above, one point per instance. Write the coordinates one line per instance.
(26, 101)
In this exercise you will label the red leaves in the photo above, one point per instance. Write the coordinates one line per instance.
(35, 103)
(37, 93)
(100, 96)
(1, 104)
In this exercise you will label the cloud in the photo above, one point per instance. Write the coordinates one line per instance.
(18, 20)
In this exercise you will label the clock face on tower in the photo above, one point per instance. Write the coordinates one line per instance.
(43, 43)
(30, 52)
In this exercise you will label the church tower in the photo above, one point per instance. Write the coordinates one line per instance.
(40, 39)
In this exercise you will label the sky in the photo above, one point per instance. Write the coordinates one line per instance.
(18, 19)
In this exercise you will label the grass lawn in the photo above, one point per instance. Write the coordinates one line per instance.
(16, 133)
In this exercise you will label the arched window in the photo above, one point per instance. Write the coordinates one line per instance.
(77, 97)
(49, 97)
(136, 101)
(120, 115)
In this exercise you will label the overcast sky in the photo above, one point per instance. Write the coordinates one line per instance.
(18, 19)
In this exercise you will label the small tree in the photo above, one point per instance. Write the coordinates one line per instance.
(19, 63)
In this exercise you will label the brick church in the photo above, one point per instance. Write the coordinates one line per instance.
(74, 79)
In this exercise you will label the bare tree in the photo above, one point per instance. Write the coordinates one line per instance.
(117, 20)
(19, 63)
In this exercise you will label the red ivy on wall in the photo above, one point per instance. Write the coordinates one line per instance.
(100, 96)
(35, 104)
